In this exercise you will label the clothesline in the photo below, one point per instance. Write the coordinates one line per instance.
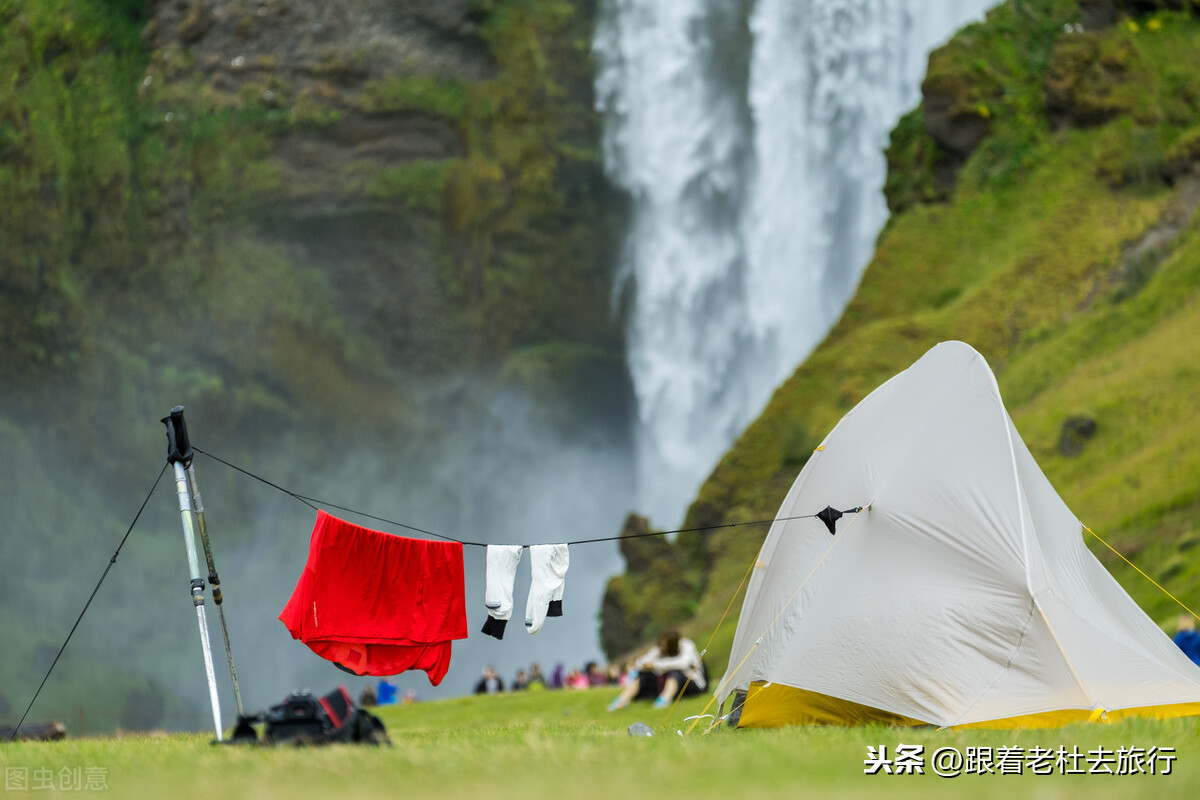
(316, 504)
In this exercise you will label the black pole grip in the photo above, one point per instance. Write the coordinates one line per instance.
(179, 447)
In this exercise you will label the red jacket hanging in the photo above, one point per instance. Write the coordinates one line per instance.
(378, 604)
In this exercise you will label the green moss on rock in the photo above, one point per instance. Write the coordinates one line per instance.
(1183, 156)
(1092, 78)
(657, 591)
(437, 95)
(919, 169)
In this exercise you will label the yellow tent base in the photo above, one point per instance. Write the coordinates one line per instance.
(771, 705)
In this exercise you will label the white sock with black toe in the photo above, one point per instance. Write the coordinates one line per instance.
(502, 560)
(548, 564)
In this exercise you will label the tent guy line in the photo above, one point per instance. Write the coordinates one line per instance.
(695, 720)
(1160, 587)
(92, 596)
(731, 674)
(315, 504)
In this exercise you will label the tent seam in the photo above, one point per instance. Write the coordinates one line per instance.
(1016, 475)
(1022, 506)
(1066, 659)
(1012, 658)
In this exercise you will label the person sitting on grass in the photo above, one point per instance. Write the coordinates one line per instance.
(1187, 639)
(576, 680)
(672, 668)
(489, 683)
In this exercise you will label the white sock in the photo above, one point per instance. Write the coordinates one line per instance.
(502, 560)
(548, 567)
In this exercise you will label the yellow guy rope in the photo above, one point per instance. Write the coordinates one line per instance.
(771, 624)
(1144, 575)
(711, 636)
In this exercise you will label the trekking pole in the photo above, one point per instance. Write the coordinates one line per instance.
(214, 581)
(179, 455)
(243, 731)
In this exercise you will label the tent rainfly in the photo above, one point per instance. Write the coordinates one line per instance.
(961, 595)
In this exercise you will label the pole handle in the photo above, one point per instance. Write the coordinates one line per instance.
(179, 446)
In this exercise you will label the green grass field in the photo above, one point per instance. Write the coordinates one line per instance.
(564, 744)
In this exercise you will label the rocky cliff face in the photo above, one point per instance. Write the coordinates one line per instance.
(416, 174)
(337, 71)
(418, 153)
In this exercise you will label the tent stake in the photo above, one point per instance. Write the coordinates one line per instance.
(179, 455)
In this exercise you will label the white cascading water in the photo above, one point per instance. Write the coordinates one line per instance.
(754, 156)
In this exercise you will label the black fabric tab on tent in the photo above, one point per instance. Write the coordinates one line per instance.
(830, 515)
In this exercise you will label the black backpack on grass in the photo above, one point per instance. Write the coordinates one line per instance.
(303, 719)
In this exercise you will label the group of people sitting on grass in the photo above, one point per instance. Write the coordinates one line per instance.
(385, 694)
(672, 668)
(592, 674)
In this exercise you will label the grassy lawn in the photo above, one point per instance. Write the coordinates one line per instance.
(564, 744)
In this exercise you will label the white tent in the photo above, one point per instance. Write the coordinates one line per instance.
(962, 594)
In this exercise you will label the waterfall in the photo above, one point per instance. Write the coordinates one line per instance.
(750, 136)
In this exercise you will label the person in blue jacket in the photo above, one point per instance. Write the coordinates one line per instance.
(1188, 640)
(386, 695)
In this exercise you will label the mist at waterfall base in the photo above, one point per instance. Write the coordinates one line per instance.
(750, 135)
(496, 471)
(495, 475)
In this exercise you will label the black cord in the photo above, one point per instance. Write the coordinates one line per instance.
(390, 521)
(111, 561)
(257, 478)
(692, 530)
(314, 504)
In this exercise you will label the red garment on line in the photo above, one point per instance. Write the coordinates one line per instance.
(379, 604)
